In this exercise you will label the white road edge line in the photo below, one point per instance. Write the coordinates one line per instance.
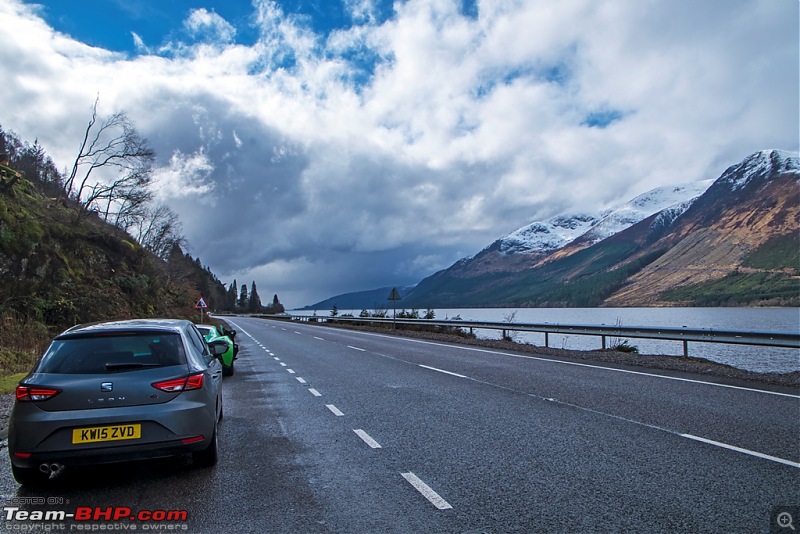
(426, 490)
(314, 392)
(356, 348)
(366, 438)
(744, 451)
(334, 410)
(441, 371)
(613, 369)
(315, 337)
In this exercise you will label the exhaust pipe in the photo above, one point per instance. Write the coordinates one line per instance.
(51, 469)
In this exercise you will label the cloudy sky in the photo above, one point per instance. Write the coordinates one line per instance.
(324, 146)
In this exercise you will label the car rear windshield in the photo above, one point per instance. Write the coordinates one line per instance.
(112, 353)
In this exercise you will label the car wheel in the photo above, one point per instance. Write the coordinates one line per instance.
(227, 370)
(28, 476)
(208, 456)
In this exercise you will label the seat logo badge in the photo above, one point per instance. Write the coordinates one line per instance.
(106, 386)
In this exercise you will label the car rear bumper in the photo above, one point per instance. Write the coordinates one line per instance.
(106, 455)
(43, 437)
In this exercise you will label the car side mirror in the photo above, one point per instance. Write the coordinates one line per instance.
(218, 348)
(230, 333)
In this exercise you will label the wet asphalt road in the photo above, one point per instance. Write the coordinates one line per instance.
(337, 431)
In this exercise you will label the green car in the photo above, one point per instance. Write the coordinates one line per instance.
(218, 333)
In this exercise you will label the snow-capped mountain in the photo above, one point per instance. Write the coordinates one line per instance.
(555, 233)
(676, 199)
(548, 235)
(760, 165)
(730, 242)
(733, 243)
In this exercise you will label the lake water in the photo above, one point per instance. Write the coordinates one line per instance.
(758, 359)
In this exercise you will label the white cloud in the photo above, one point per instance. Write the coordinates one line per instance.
(138, 43)
(186, 175)
(392, 148)
(207, 25)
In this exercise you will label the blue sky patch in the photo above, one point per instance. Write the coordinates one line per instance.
(110, 24)
(602, 119)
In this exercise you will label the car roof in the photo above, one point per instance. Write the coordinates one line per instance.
(130, 325)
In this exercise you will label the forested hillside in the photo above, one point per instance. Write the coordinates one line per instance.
(62, 264)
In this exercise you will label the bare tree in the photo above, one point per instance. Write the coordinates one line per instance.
(113, 169)
(159, 231)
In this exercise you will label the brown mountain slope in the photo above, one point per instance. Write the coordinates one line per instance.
(716, 235)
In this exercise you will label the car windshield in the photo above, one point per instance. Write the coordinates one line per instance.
(112, 353)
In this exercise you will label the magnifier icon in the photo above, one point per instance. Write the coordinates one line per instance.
(785, 520)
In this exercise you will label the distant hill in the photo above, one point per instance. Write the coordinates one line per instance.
(370, 300)
(733, 242)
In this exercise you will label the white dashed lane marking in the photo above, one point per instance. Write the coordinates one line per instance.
(334, 410)
(426, 490)
(366, 438)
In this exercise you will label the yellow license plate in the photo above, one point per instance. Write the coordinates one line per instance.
(106, 433)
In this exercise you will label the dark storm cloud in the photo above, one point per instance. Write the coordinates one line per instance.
(376, 152)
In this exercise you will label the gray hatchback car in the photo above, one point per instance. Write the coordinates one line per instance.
(117, 391)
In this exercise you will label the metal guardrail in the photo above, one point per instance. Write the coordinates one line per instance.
(788, 340)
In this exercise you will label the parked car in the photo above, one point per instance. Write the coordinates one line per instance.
(215, 333)
(117, 391)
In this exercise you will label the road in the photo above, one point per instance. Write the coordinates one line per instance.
(330, 430)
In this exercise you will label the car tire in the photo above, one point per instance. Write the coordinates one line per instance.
(227, 370)
(28, 476)
(208, 456)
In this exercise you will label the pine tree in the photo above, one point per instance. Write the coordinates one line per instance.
(254, 305)
(230, 300)
(243, 301)
(276, 307)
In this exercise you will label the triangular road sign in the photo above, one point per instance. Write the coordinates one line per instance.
(201, 304)
(394, 295)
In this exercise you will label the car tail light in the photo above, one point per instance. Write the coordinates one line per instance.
(177, 385)
(35, 394)
(193, 439)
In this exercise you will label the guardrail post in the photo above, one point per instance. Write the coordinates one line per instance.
(685, 349)
(604, 342)
(547, 339)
